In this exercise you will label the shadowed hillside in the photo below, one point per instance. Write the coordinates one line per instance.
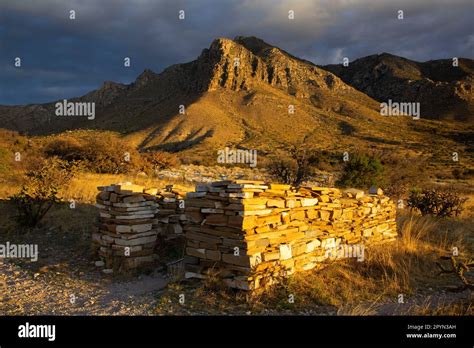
(443, 90)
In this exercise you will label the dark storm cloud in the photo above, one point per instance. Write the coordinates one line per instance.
(62, 58)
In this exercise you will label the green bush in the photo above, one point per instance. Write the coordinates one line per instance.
(41, 190)
(361, 171)
(434, 202)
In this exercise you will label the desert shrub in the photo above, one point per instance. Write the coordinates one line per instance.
(108, 154)
(296, 168)
(98, 152)
(328, 161)
(67, 148)
(361, 171)
(41, 190)
(436, 202)
(159, 160)
(283, 171)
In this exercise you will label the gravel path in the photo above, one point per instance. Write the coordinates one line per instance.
(57, 290)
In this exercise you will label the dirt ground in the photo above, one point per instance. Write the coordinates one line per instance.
(65, 281)
(58, 289)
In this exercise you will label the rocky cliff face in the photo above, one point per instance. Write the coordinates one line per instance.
(244, 63)
(238, 90)
(443, 91)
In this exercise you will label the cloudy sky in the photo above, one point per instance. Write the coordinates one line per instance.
(62, 58)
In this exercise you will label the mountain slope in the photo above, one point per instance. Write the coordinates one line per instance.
(444, 91)
(249, 69)
(240, 93)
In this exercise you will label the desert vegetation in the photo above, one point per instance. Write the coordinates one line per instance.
(48, 185)
(41, 190)
(105, 153)
(407, 268)
(361, 171)
(295, 168)
(37, 191)
(436, 202)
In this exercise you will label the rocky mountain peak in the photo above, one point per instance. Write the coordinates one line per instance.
(267, 80)
(254, 44)
(245, 62)
(145, 77)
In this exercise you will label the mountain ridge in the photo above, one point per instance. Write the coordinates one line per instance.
(236, 93)
(212, 70)
(443, 90)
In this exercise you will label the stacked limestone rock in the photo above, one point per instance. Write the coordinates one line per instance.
(125, 233)
(171, 216)
(251, 234)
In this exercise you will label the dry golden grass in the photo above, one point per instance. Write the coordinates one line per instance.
(469, 204)
(361, 309)
(9, 185)
(83, 187)
(349, 287)
(388, 269)
(414, 229)
(427, 307)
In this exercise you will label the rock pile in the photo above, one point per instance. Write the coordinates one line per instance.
(251, 234)
(126, 231)
(170, 215)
